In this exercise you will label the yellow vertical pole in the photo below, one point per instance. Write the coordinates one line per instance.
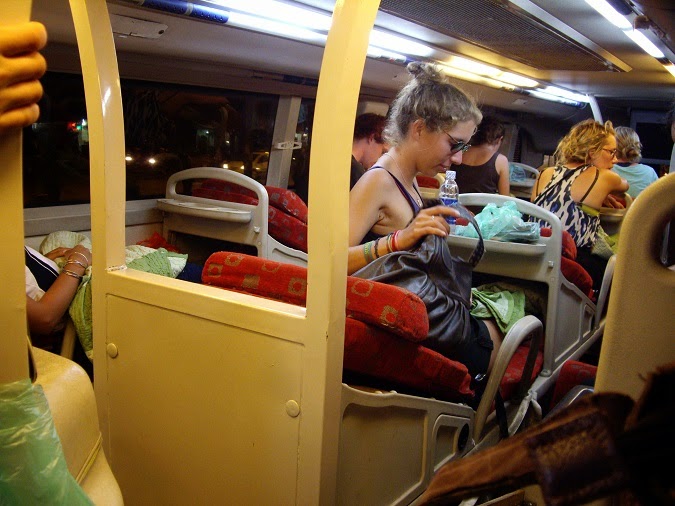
(107, 169)
(337, 97)
(13, 329)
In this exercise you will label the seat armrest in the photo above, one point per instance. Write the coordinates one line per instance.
(525, 328)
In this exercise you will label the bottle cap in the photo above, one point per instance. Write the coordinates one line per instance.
(450, 174)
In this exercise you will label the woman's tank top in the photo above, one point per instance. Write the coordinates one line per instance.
(371, 236)
(478, 178)
(557, 198)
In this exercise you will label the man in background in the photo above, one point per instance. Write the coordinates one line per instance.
(367, 146)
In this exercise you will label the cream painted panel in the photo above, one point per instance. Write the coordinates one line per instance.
(191, 390)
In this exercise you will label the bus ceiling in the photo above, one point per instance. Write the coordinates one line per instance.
(560, 59)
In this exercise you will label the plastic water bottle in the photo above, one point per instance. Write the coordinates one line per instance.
(449, 193)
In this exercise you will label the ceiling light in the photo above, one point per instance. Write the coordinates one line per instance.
(647, 45)
(669, 67)
(399, 44)
(481, 69)
(553, 98)
(475, 78)
(560, 92)
(610, 14)
(280, 12)
(275, 27)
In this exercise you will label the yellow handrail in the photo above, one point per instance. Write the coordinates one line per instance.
(14, 358)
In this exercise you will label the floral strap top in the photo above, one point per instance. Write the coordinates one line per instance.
(557, 198)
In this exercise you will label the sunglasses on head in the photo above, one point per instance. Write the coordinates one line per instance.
(456, 146)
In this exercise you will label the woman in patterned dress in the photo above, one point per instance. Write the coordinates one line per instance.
(579, 185)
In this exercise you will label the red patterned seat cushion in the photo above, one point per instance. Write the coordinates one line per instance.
(281, 198)
(288, 201)
(376, 353)
(573, 271)
(287, 214)
(428, 182)
(514, 371)
(377, 316)
(386, 306)
(572, 373)
(287, 229)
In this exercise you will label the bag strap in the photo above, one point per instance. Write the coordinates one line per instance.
(479, 250)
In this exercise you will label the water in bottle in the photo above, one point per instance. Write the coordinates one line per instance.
(449, 193)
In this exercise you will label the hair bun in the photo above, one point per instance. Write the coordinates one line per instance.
(424, 71)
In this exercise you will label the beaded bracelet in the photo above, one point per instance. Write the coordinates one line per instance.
(77, 262)
(81, 254)
(375, 247)
(72, 274)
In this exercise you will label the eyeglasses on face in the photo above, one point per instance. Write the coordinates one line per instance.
(456, 146)
(612, 152)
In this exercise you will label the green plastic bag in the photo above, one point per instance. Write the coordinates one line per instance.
(33, 469)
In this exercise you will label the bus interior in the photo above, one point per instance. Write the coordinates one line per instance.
(206, 393)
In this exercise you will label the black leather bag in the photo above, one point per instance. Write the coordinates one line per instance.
(442, 280)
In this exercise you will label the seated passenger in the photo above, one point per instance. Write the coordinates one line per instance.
(628, 166)
(579, 185)
(367, 146)
(483, 168)
(49, 292)
(429, 127)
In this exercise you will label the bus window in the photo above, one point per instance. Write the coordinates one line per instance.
(299, 176)
(168, 128)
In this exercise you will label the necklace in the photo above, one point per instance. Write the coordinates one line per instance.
(417, 198)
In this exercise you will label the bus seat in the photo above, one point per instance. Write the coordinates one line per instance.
(573, 321)
(572, 374)
(225, 205)
(428, 186)
(383, 327)
(287, 212)
(638, 336)
(70, 395)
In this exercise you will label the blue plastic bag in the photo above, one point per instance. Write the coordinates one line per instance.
(502, 223)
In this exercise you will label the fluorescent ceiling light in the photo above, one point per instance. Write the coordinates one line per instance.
(275, 27)
(279, 12)
(559, 92)
(670, 68)
(619, 20)
(481, 69)
(399, 44)
(475, 78)
(275, 17)
(647, 45)
(553, 98)
(610, 14)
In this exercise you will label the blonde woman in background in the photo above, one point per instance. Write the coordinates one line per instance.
(628, 166)
(579, 185)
